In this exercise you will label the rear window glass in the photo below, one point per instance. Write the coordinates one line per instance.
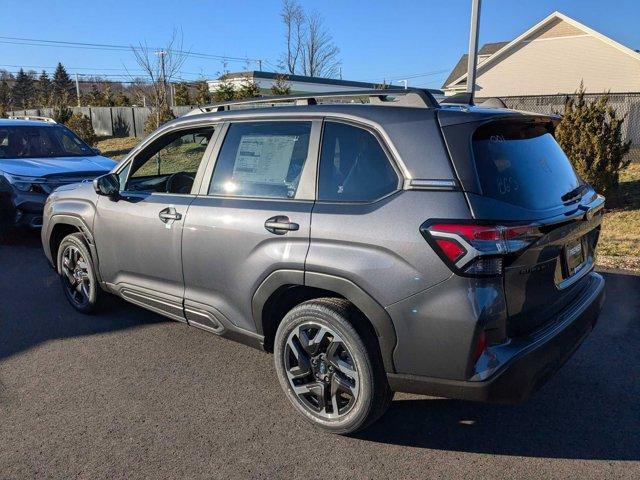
(522, 164)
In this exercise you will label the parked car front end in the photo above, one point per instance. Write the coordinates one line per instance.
(35, 159)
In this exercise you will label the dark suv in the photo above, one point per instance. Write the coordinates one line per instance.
(375, 241)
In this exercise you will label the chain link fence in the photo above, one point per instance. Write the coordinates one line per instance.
(627, 105)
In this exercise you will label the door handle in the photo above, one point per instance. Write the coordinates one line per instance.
(280, 225)
(168, 214)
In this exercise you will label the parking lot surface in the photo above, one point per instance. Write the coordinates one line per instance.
(128, 394)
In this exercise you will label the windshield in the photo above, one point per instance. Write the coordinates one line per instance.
(41, 142)
(522, 164)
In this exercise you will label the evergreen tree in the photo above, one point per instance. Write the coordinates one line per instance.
(203, 95)
(23, 91)
(181, 94)
(5, 98)
(62, 88)
(248, 89)
(44, 90)
(121, 99)
(281, 86)
(93, 98)
(590, 133)
(224, 91)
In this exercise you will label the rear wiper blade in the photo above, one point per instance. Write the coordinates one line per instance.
(576, 192)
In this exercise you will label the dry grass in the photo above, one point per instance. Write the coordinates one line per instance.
(619, 245)
(116, 148)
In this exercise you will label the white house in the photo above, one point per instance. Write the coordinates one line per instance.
(552, 57)
(297, 83)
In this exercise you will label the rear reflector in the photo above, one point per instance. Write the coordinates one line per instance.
(481, 345)
(477, 249)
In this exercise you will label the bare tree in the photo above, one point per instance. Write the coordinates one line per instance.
(319, 53)
(294, 20)
(309, 46)
(160, 67)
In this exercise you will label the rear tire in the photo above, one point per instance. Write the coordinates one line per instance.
(331, 372)
(77, 274)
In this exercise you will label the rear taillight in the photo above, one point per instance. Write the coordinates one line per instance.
(478, 249)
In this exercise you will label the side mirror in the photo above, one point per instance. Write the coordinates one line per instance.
(96, 150)
(107, 185)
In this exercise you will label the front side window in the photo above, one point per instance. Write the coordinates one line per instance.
(353, 166)
(40, 141)
(170, 164)
(261, 159)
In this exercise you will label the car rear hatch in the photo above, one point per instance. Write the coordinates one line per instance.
(518, 180)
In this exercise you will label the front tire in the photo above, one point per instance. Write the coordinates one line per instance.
(331, 372)
(77, 274)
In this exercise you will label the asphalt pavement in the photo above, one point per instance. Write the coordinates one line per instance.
(128, 394)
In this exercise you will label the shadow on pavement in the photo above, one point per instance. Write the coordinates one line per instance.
(33, 308)
(589, 410)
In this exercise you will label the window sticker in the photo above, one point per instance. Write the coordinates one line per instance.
(264, 158)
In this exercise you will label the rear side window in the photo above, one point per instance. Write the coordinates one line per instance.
(353, 166)
(522, 164)
(261, 159)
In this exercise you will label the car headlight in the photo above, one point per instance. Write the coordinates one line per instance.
(25, 184)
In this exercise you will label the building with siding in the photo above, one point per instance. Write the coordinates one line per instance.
(297, 83)
(552, 57)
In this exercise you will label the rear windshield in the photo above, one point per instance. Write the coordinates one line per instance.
(41, 142)
(522, 164)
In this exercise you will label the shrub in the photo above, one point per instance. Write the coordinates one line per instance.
(81, 125)
(158, 118)
(181, 94)
(224, 91)
(203, 95)
(248, 89)
(281, 86)
(590, 133)
(62, 113)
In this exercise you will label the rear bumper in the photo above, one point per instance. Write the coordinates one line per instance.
(526, 364)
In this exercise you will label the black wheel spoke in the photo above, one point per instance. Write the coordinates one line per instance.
(320, 370)
(303, 367)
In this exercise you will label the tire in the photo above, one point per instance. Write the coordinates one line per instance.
(78, 274)
(331, 372)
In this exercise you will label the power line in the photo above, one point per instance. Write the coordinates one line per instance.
(113, 47)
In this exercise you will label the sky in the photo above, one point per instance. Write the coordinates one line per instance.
(378, 40)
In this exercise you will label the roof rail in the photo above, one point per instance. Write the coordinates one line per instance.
(32, 117)
(409, 97)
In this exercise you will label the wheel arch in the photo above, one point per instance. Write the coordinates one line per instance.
(59, 227)
(284, 289)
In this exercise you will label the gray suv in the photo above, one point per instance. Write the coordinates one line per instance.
(374, 241)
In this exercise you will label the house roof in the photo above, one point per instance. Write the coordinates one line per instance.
(508, 47)
(461, 66)
(299, 78)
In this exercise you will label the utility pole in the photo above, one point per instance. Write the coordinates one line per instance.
(259, 65)
(161, 54)
(78, 89)
(472, 62)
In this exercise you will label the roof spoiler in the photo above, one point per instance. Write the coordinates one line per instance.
(462, 98)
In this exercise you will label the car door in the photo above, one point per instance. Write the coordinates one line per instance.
(139, 233)
(252, 217)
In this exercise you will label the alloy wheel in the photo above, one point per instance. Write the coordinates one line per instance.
(76, 276)
(321, 370)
